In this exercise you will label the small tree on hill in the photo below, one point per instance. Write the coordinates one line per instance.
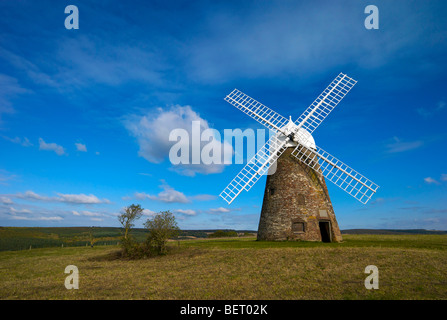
(127, 219)
(162, 227)
(92, 237)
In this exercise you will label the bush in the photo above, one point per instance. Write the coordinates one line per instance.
(222, 233)
(162, 227)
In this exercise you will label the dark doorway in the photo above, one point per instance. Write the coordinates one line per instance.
(325, 230)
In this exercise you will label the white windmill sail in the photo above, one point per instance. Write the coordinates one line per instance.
(325, 103)
(337, 172)
(264, 115)
(255, 168)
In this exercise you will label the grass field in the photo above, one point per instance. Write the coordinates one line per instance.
(410, 267)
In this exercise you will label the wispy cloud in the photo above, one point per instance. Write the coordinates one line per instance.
(14, 210)
(22, 141)
(6, 200)
(81, 147)
(203, 197)
(6, 176)
(430, 180)
(168, 195)
(41, 218)
(188, 212)
(59, 150)
(219, 210)
(30, 69)
(9, 89)
(397, 145)
(65, 198)
(148, 212)
(91, 214)
(432, 111)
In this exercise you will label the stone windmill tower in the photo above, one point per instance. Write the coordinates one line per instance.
(296, 203)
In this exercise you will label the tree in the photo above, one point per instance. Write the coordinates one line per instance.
(92, 237)
(128, 217)
(162, 227)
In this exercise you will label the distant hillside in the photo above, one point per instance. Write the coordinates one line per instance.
(21, 238)
(392, 231)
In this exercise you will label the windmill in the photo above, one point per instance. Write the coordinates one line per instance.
(296, 204)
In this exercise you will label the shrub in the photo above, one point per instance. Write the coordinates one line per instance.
(127, 219)
(162, 227)
(222, 233)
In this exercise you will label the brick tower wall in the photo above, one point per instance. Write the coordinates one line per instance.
(296, 199)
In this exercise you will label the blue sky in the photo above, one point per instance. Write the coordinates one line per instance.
(85, 114)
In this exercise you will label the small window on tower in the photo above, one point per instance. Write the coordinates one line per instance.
(298, 227)
(271, 191)
(301, 200)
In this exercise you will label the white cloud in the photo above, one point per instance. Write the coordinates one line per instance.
(145, 174)
(220, 210)
(91, 214)
(444, 177)
(59, 150)
(203, 197)
(6, 176)
(6, 200)
(152, 133)
(76, 213)
(9, 88)
(188, 212)
(14, 211)
(81, 198)
(429, 112)
(97, 61)
(24, 142)
(147, 212)
(430, 180)
(401, 146)
(65, 198)
(81, 147)
(31, 195)
(37, 218)
(168, 195)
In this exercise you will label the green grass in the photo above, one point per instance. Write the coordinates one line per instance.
(410, 267)
(436, 242)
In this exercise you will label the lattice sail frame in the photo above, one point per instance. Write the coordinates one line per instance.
(337, 172)
(264, 115)
(254, 169)
(326, 102)
(333, 169)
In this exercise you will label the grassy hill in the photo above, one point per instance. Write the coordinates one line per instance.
(410, 267)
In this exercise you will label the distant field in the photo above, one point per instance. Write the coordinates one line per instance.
(410, 267)
(14, 238)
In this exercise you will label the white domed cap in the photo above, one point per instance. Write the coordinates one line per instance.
(302, 136)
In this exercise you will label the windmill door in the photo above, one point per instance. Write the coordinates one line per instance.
(325, 230)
